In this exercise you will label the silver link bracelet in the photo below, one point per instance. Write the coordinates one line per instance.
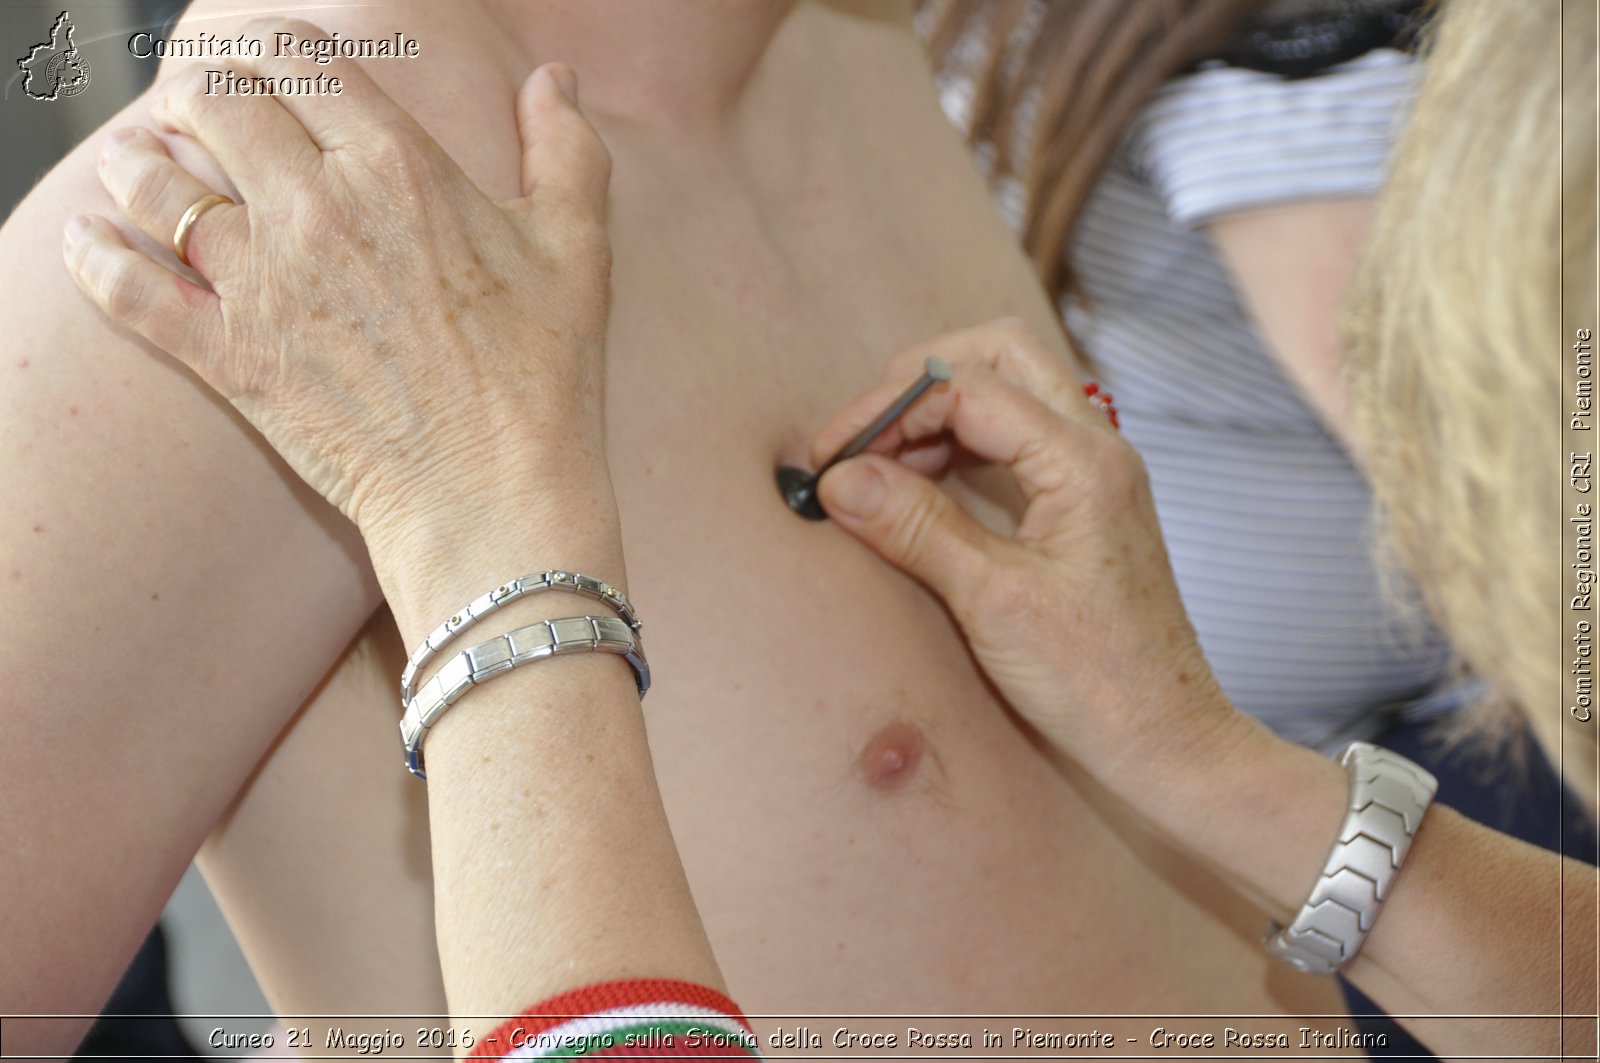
(548, 638)
(505, 594)
(1388, 796)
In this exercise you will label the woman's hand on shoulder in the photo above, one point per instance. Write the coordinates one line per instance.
(409, 346)
(1076, 617)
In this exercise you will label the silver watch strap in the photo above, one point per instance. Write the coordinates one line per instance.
(1388, 796)
(505, 594)
(548, 638)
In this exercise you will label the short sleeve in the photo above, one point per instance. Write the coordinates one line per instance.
(1227, 139)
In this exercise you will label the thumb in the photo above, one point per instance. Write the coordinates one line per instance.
(914, 524)
(564, 161)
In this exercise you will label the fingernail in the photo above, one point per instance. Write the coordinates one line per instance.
(856, 489)
(119, 137)
(75, 229)
(565, 80)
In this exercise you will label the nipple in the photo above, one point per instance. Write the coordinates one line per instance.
(799, 488)
(891, 756)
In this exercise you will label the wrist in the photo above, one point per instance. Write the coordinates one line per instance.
(1163, 725)
(435, 555)
(1218, 785)
(1260, 810)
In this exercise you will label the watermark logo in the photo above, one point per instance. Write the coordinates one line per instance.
(55, 69)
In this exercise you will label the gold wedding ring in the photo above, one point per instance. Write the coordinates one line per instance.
(180, 236)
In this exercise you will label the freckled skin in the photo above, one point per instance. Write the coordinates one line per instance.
(890, 758)
(705, 387)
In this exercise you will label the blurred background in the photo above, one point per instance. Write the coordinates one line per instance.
(206, 973)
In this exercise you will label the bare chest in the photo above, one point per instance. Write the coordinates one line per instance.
(814, 708)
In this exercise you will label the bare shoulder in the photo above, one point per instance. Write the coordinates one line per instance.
(144, 519)
(457, 71)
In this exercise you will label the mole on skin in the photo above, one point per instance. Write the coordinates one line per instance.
(891, 756)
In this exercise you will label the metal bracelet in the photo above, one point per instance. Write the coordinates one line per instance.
(1388, 796)
(548, 638)
(506, 593)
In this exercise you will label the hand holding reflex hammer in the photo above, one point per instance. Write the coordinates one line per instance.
(1079, 608)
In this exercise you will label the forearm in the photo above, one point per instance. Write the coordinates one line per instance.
(461, 433)
(1292, 265)
(1472, 926)
(553, 863)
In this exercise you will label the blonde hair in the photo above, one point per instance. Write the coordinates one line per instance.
(1479, 272)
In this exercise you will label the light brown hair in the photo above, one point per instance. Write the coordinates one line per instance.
(1077, 73)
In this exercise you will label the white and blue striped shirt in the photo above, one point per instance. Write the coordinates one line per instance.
(1267, 521)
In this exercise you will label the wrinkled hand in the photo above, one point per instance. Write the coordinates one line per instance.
(393, 333)
(1075, 618)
